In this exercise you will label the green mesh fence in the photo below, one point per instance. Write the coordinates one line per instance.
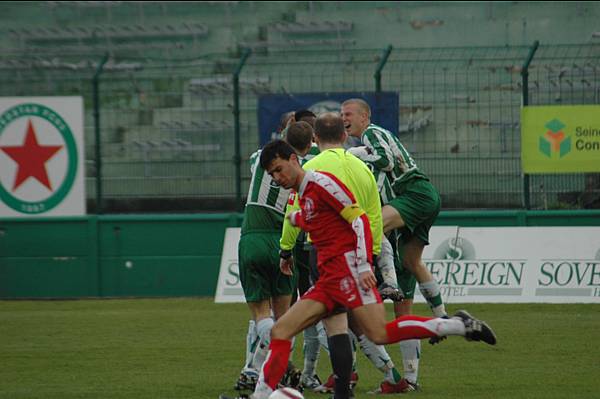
(167, 123)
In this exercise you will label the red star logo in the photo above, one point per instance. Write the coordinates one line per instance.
(31, 158)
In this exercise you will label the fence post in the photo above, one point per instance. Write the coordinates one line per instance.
(377, 75)
(96, 97)
(525, 102)
(237, 159)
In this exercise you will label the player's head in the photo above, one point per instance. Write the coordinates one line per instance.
(329, 129)
(299, 135)
(280, 161)
(305, 115)
(356, 114)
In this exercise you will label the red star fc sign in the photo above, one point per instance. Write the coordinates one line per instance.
(40, 162)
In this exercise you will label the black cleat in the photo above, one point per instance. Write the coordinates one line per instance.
(476, 330)
(293, 379)
(437, 340)
(388, 291)
(246, 380)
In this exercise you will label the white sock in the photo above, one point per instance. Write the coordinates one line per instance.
(411, 353)
(431, 293)
(385, 263)
(311, 350)
(323, 337)
(263, 330)
(442, 327)
(251, 344)
(378, 356)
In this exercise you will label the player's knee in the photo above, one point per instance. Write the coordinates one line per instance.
(377, 334)
(279, 331)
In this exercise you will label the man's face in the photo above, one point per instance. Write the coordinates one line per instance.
(355, 120)
(284, 172)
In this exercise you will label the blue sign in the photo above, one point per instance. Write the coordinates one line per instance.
(384, 108)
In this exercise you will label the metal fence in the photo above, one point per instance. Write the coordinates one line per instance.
(167, 127)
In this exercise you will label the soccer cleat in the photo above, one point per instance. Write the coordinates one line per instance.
(242, 396)
(353, 380)
(292, 378)
(310, 382)
(476, 330)
(387, 291)
(402, 386)
(246, 380)
(437, 340)
(329, 385)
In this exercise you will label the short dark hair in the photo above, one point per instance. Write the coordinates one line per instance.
(329, 128)
(274, 149)
(305, 115)
(299, 135)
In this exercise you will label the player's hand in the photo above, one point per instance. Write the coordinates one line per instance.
(367, 280)
(286, 266)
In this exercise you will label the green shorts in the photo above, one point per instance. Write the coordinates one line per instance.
(406, 280)
(419, 204)
(258, 257)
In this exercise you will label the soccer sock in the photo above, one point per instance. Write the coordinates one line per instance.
(380, 359)
(417, 327)
(385, 263)
(311, 350)
(354, 344)
(411, 353)
(263, 330)
(323, 337)
(251, 343)
(341, 363)
(431, 293)
(274, 366)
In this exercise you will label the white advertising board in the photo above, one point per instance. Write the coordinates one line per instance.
(41, 157)
(488, 265)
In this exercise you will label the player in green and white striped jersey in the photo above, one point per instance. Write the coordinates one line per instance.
(411, 205)
(266, 289)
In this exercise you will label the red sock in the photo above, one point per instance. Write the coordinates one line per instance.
(277, 361)
(402, 329)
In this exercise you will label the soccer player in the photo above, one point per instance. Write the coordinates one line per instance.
(330, 136)
(411, 205)
(341, 233)
(266, 289)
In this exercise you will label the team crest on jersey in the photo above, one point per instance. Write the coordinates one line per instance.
(309, 209)
(346, 286)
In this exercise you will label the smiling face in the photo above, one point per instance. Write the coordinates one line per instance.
(355, 118)
(287, 173)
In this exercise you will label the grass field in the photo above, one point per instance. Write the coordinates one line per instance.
(193, 348)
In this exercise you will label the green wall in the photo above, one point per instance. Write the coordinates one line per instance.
(160, 255)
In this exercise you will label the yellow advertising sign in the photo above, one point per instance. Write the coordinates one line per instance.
(560, 139)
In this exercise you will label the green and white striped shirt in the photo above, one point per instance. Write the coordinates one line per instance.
(265, 206)
(392, 165)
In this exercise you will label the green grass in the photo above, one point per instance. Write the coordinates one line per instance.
(193, 348)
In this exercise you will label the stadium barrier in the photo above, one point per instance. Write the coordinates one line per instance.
(172, 255)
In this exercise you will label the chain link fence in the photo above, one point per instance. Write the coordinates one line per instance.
(167, 125)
